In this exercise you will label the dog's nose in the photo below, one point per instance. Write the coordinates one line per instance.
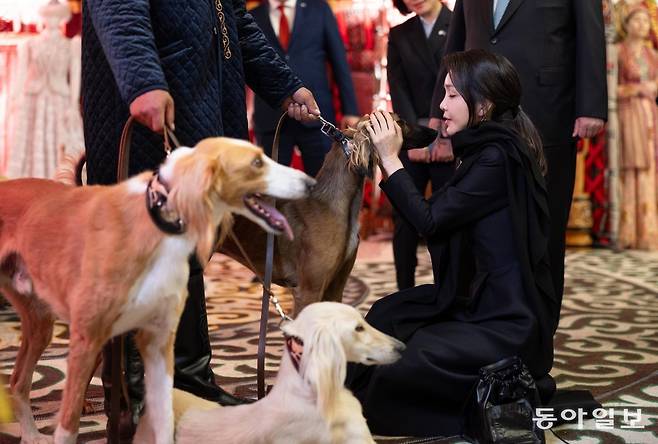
(399, 347)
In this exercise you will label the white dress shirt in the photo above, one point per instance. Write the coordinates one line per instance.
(275, 14)
(428, 25)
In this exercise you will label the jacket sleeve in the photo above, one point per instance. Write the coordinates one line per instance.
(481, 191)
(338, 61)
(455, 42)
(591, 81)
(397, 81)
(265, 72)
(124, 31)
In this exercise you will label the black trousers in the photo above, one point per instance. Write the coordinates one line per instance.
(405, 236)
(561, 160)
(311, 142)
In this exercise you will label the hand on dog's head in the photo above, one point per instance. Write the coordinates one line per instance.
(413, 135)
(363, 156)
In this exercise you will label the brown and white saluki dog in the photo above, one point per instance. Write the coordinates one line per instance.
(308, 403)
(318, 260)
(109, 259)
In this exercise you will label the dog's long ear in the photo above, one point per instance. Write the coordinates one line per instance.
(324, 366)
(190, 195)
(416, 136)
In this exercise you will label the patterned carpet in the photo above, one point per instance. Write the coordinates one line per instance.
(607, 342)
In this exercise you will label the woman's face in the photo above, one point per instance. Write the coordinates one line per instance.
(639, 25)
(422, 7)
(455, 110)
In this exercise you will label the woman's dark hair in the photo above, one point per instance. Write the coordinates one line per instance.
(482, 77)
(401, 7)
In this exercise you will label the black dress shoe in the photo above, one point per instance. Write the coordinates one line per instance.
(192, 351)
(132, 408)
(224, 398)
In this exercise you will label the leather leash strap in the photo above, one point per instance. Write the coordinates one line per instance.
(267, 280)
(118, 342)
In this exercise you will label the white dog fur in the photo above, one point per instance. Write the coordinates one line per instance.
(309, 405)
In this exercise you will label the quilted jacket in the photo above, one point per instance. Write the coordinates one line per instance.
(130, 47)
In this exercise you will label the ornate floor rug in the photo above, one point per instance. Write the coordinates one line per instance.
(607, 343)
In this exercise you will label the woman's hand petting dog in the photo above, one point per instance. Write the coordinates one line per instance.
(386, 136)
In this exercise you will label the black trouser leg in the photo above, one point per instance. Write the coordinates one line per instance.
(192, 352)
(560, 182)
(314, 146)
(132, 408)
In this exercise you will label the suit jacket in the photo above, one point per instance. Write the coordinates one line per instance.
(130, 47)
(558, 48)
(314, 41)
(413, 64)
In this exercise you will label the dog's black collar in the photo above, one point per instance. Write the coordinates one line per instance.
(156, 204)
(295, 347)
(330, 130)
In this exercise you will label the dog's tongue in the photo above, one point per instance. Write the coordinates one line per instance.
(274, 218)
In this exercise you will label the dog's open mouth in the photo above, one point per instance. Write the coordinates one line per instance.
(268, 214)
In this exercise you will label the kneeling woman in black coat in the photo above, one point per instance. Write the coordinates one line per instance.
(486, 231)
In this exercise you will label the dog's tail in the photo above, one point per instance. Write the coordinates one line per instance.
(70, 170)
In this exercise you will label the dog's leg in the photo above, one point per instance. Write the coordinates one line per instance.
(157, 349)
(334, 292)
(84, 347)
(311, 287)
(316, 270)
(37, 330)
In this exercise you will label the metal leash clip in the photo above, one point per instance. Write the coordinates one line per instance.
(275, 301)
(330, 130)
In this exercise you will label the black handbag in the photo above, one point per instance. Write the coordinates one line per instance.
(502, 405)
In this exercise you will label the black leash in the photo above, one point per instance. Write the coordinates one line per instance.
(331, 131)
(267, 279)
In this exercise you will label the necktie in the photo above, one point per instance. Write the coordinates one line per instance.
(284, 29)
(499, 11)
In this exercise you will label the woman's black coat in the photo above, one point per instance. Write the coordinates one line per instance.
(493, 298)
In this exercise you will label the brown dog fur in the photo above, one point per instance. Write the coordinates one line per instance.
(318, 261)
(93, 257)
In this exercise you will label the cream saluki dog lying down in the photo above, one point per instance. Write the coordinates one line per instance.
(308, 403)
(102, 260)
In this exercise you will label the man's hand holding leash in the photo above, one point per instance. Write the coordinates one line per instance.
(302, 106)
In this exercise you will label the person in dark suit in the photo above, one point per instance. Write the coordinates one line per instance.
(558, 47)
(415, 48)
(486, 233)
(307, 37)
(141, 57)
